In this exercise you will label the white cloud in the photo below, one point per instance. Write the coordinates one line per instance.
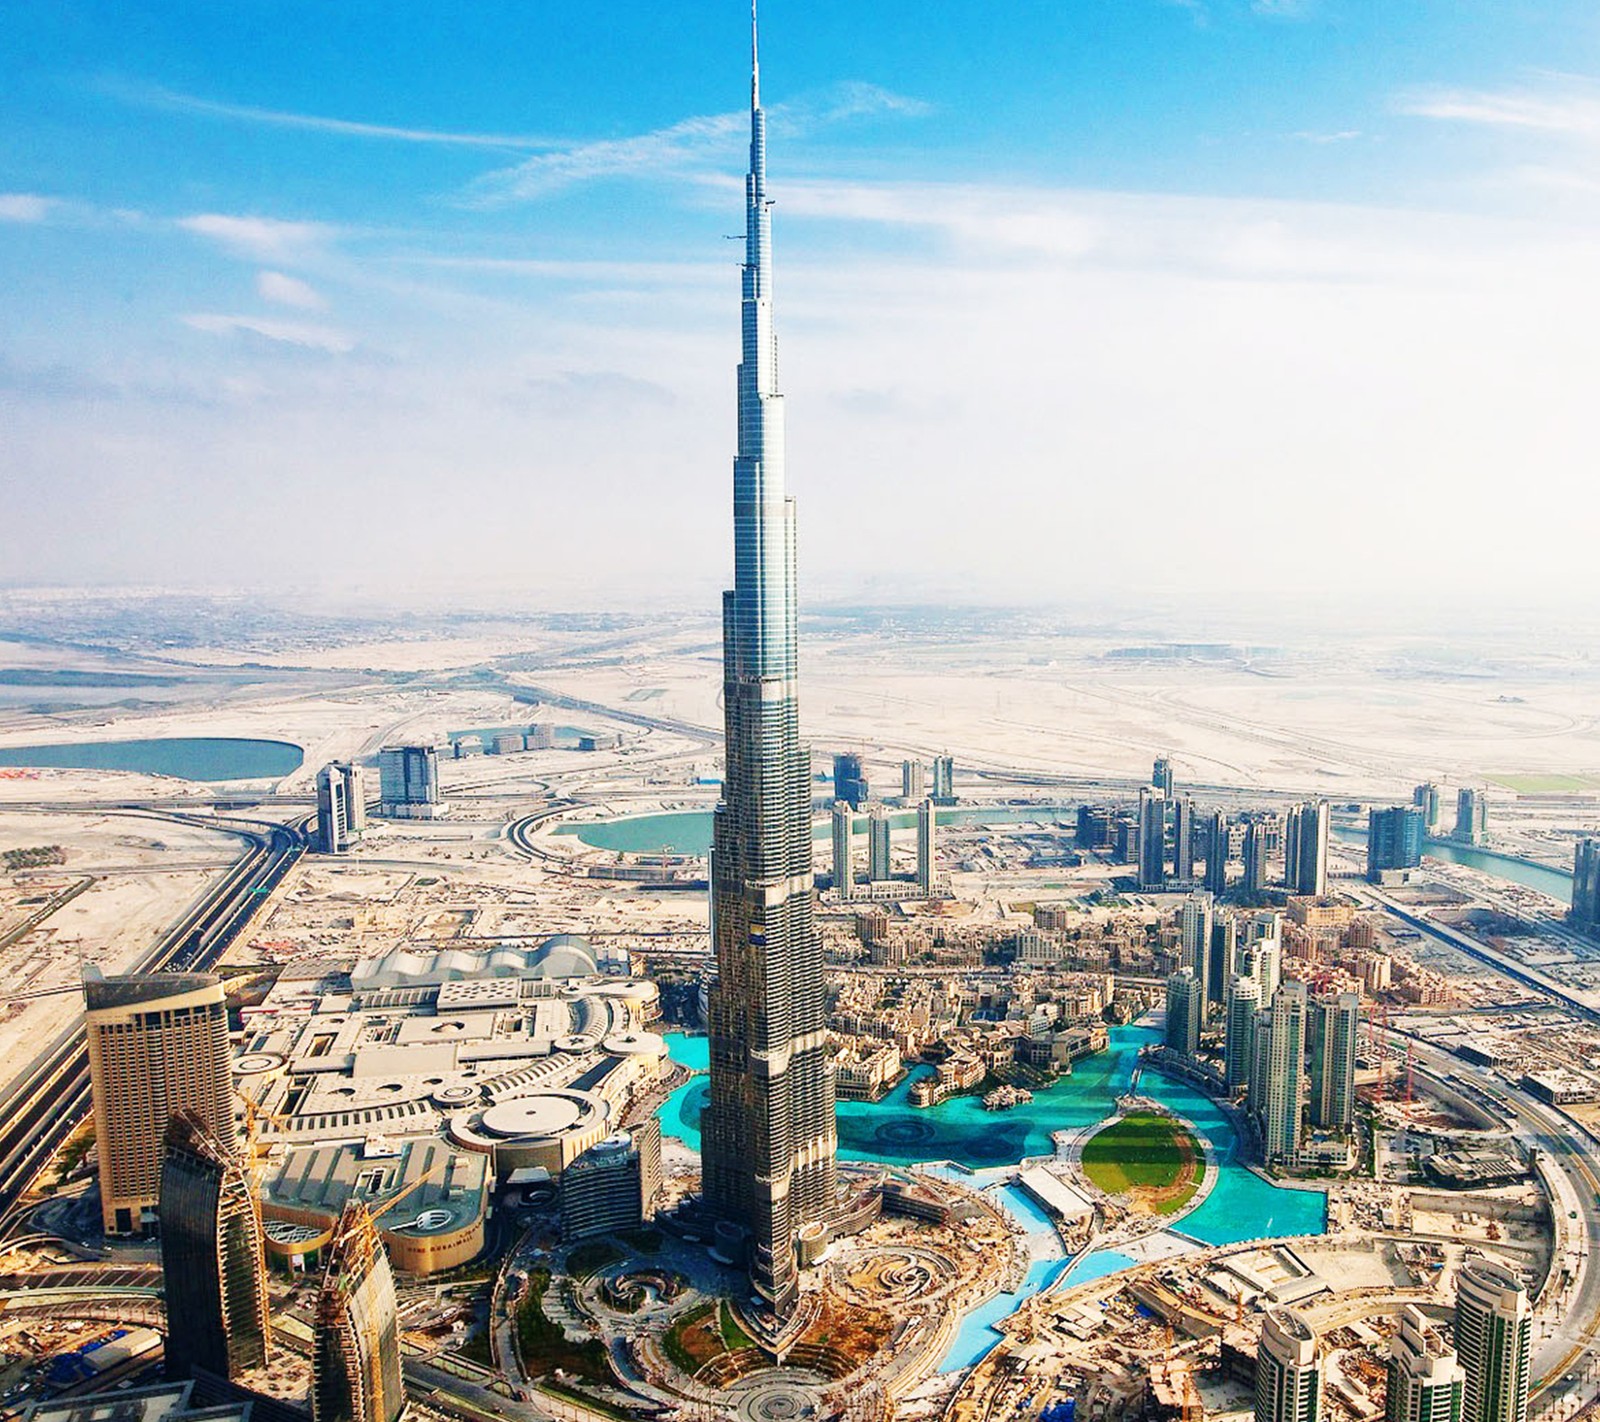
(1570, 108)
(265, 238)
(25, 207)
(289, 291)
(307, 335)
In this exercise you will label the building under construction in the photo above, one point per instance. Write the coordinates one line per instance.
(355, 1370)
(211, 1255)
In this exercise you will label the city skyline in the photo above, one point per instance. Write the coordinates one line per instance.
(1345, 278)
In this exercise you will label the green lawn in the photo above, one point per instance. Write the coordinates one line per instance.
(1544, 784)
(1144, 1151)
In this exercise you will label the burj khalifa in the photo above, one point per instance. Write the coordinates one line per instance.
(769, 1137)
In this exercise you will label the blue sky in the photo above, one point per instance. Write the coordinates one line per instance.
(401, 296)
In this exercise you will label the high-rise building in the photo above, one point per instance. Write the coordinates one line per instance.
(1152, 840)
(1305, 843)
(844, 873)
(1472, 817)
(878, 868)
(612, 1186)
(944, 780)
(355, 1363)
(1426, 798)
(849, 778)
(158, 1044)
(1335, 1027)
(1257, 845)
(341, 807)
(1185, 1012)
(1218, 838)
(1261, 955)
(1288, 1370)
(1224, 945)
(1183, 839)
(1585, 915)
(1426, 1382)
(212, 1263)
(927, 830)
(1195, 923)
(1395, 839)
(913, 780)
(408, 782)
(1494, 1340)
(1161, 776)
(1285, 1071)
(1240, 1008)
(769, 1135)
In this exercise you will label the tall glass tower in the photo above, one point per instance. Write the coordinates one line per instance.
(769, 1135)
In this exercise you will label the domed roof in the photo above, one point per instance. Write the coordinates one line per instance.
(564, 956)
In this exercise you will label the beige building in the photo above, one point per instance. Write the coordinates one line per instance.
(158, 1044)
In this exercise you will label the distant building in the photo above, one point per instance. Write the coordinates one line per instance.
(850, 780)
(212, 1266)
(1183, 839)
(1161, 776)
(1240, 1008)
(878, 869)
(1472, 817)
(913, 780)
(613, 1185)
(158, 1045)
(539, 736)
(1494, 1340)
(1218, 838)
(355, 1365)
(1395, 840)
(341, 807)
(1185, 1013)
(1288, 1370)
(1305, 843)
(843, 860)
(1285, 1052)
(1335, 1026)
(1224, 947)
(408, 782)
(944, 780)
(1425, 797)
(927, 830)
(1096, 827)
(1257, 846)
(1152, 875)
(1585, 915)
(1426, 1381)
(1195, 922)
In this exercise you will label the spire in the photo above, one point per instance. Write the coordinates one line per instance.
(755, 62)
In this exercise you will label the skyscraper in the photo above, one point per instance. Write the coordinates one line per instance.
(212, 1266)
(1152, 840)
(1494, 1340)
(1279, 1106)
(1426, 1382)
(1257, 840)
(927, 829)
(1224, 947)
(341, 807)
(1183, 839)
(408, 782)
(1240, 1008)
(849, 779)
(1472, 817)
(1218, 837)
(1426, 798)
(1585, 915)
(878, 844)
(944, 780)
(1288, 1370)
(1185, 1012)
(1161, 776)
(913, 780)
(355, 1365)
(1305, 843)
(844, 874)
(769, 1133)
(1335, 1025)
(158, 1044)
(1195, 924)
(1395, 839)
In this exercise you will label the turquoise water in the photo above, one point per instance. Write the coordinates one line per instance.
(978, 1335)
(1094, 1266)
(185, 757)
(1555, 882)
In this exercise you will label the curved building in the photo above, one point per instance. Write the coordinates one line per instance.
(355, 1366)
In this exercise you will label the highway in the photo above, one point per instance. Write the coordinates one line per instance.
(46, 1100)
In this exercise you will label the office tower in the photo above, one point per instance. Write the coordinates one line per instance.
(1218, 837)
(844, 873)
(1260, 1067)
(878, 844)
(1256, 842)
(1395, 840)
(355, 797)
(158, 1044)
(1183, 839)
(1472, 817)
(1264, 945)
(1426, 1382)
(849, 779)
(612, 1185)
(1195, 923)
(539, 736)
(212, 1266)
(1185, 1012)
(913, 780)
(769, 1137)
(1152, 840)
(1494, 1340)
(1096, 827)
(1285, 1071)
(1585, 914)
(1161, 776)
(1335, 1025)
(1288, 1370)
(1305, 843)
(408, 781)
(1426, 798)
(1240, 1008)
(355, 1365)
(1224, 945)
(927, 829)
(944, 780)
(341, 807)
